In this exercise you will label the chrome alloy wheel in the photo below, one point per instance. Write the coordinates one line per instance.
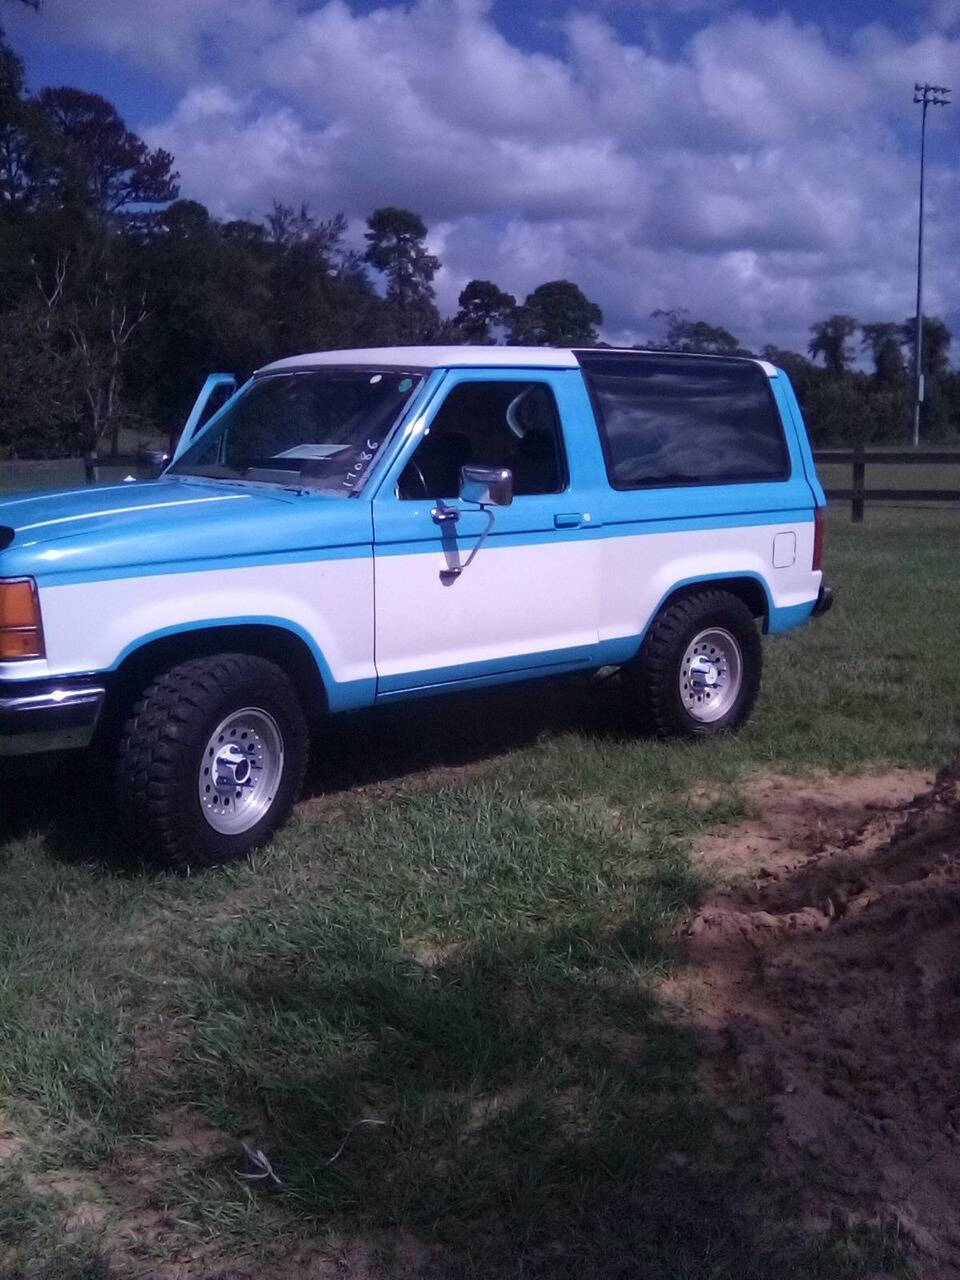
(711, 674)
(240, 771)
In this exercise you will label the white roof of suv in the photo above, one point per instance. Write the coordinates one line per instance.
(434, 357)
(455, 357)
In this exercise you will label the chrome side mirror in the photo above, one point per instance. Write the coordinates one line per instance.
(487, 486)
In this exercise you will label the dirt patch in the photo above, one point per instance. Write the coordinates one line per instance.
(158, 1048)
(190, 1134)
(77, 1193)
(432, 955)
(397, 1254)
(120, 1210)
(491, 1106)
(10, 1143)
(829, 984)
(796, 819)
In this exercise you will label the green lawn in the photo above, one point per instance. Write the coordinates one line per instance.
(892, 475)
(443, 974)
(62, 473)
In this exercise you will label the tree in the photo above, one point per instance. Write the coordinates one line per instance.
(84, 187)
(210, 307)
(313, 279)
(556, 314)
(319, 242)
(396, 246)
(98, 319)
(803, 374)
(830, 339)
(27, 144)
(11, 73)
(837, 411)
(788, 360)
(40, 408)
(483, 305)
(883, 341)
(102, 166)
(935, 342)
(697, 335)
(22, 145)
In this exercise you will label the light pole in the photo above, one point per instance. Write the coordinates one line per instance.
(929, 95)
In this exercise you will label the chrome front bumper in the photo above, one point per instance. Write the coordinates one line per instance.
(54, 716)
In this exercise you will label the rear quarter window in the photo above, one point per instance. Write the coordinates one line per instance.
(679, 420)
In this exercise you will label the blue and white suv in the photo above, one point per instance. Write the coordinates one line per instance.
(353, 527)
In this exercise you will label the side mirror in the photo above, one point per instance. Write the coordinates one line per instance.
(488, 486)
(151, 463)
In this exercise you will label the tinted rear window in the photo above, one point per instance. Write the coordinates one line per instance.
(676, 420)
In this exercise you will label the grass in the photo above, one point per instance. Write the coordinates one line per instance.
(444, 974)
(61, 473)
(19, 475)
(891, 475)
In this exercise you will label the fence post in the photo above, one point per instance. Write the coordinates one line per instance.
(859, 470)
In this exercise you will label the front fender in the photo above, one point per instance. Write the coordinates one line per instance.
(92, 627)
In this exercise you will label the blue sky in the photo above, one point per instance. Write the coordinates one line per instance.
(754, 161)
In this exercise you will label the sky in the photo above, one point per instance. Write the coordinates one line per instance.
(754, 162)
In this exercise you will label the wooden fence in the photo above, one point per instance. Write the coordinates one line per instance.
(858, 494)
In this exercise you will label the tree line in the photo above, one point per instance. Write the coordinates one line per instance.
(843, 403)
(117, 296)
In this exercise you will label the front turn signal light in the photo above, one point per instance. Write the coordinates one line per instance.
(21, 630)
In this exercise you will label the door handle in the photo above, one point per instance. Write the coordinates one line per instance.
(568, 520)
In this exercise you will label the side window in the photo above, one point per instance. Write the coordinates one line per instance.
(675, 420)
(492, 424)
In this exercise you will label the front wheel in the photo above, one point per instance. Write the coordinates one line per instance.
(698, 670)
(210, 760)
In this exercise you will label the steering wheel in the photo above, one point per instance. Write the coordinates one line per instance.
(414, 467)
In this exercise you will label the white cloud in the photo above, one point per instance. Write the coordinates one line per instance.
(173, 37)
(944, 15)
(761, 176)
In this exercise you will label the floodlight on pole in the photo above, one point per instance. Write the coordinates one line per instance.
(925, 95)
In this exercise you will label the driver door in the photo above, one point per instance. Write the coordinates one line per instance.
(528, 601)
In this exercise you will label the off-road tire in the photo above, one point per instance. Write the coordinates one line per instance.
(162, 747)
(655, 673)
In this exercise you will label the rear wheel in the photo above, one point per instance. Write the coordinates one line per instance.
(698, 670)
(210, 760)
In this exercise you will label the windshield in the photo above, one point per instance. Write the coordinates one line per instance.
(317, 428)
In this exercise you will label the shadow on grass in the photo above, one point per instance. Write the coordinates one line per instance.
(513, 1104)
(391, 742)
(69, 800)
(518, 1108)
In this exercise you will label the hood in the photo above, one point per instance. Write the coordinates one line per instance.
(168, 525)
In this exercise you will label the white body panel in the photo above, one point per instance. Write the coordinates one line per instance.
(89, 625)
(511, 601)
(539, 597)
(642, 569)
